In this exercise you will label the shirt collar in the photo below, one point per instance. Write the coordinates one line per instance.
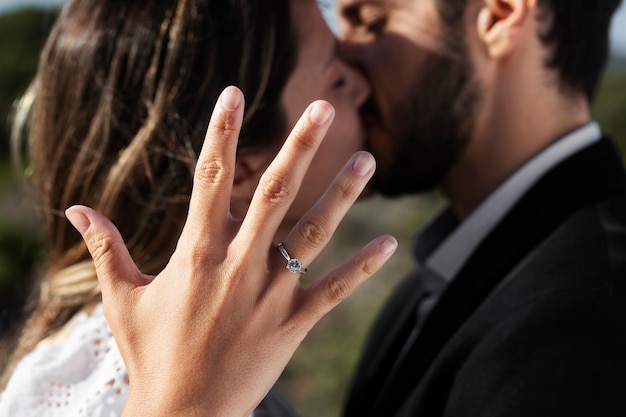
(445, 244)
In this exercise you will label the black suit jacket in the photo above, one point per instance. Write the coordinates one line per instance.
(533, 325)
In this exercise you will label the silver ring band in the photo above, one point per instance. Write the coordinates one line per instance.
(294, 266)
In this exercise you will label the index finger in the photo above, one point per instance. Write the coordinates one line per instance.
(214, 174)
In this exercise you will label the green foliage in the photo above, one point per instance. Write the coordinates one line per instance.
(610, 106)
(22, 35)
(18, 252)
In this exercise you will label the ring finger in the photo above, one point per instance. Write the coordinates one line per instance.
(314, 230)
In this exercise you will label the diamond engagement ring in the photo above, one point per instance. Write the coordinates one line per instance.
(293, 264)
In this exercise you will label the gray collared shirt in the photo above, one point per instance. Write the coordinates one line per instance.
(445, 244)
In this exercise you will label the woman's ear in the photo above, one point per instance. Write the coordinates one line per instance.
(501, 22)
(249, 167)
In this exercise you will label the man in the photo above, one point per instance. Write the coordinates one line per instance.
(518, 307)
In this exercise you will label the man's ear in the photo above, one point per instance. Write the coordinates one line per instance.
(501, 24)
(249, 167)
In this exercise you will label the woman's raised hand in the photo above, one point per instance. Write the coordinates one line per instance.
(212, 332)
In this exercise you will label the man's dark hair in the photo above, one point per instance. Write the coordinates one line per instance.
(576, 32)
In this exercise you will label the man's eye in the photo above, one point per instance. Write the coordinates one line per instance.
(370, 18)
(373, 19)
(376, 26)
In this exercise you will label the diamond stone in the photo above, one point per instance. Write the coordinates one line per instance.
(294, 266)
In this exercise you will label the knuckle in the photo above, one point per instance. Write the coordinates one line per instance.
(294, 328)
(366, 266)
(211, 172)
(202, 253)
(223, 127)
(275, 189)
(336, 289)
(303, 141)
(345, 191)
(195, 257)
(101, 246)
(314, 233)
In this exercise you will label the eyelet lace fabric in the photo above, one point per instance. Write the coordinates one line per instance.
(78, 374)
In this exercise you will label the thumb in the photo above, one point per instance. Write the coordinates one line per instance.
(115, 268)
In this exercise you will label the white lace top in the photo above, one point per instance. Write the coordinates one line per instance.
(78, 373)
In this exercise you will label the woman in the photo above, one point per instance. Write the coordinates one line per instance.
(116, 118)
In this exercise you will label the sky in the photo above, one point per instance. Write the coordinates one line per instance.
(618, 28)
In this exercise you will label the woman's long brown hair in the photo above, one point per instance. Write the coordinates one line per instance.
(115, 118)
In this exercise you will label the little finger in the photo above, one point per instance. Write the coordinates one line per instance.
(321, 297)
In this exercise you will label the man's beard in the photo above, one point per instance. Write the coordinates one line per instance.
(427, 130)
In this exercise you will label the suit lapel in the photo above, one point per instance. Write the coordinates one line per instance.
(389, 332)
(591, 175)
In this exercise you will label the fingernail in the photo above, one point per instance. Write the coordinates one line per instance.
(320, 113)
(231, 98)
(388, 246)
(363, 164)
(78, 219)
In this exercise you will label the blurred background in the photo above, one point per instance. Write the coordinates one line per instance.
(318, 376)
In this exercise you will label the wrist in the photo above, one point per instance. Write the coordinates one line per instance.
(141, 404)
